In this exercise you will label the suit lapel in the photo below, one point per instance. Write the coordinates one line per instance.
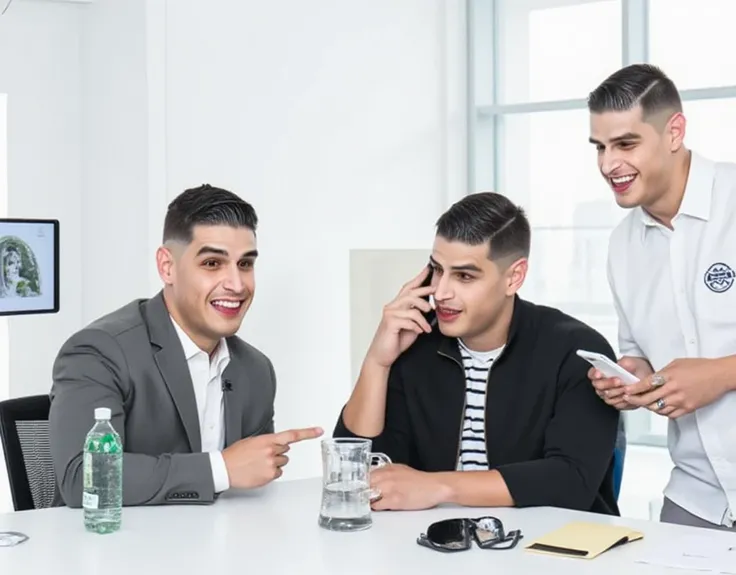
(237, 398)
(172, 364)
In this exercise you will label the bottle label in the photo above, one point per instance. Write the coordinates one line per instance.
(90, 501)
(87, 473)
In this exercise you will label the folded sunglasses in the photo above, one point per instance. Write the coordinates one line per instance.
(452, 535)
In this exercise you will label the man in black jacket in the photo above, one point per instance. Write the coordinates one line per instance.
(477, 395)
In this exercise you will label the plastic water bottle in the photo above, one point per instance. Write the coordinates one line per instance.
(102, 498)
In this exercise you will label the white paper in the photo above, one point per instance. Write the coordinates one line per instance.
(709, 554)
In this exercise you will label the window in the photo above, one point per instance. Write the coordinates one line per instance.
(539, 55)
(552, 169)
(532, 65)
(688, 39)
(711, 125)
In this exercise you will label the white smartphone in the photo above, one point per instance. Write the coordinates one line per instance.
(607, 367)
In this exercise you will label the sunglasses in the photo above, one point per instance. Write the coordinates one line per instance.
(457, 534)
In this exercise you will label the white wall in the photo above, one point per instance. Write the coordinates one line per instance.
(79, 141)
(115, 207)
(333, 122)
(4, 328)
(40, 71)
(343, 124)
(4, 346)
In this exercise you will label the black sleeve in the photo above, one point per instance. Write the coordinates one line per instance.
(579, 440)
(396, 439)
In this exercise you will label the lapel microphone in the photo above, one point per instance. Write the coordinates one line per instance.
(227, 385)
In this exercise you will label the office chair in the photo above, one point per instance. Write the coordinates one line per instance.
(619, 454)
(618, 471)
(24, 433)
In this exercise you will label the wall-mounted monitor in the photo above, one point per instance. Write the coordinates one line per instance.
(29, 266)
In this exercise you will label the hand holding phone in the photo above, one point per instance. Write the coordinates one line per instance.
(404, 319)
(607, 367)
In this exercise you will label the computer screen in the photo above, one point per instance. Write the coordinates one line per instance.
(29, 266)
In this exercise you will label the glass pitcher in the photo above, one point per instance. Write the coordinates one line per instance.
(346, 491)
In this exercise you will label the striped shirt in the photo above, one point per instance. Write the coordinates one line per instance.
(477, 366)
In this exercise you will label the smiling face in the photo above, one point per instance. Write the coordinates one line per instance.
(209, 282)
(474, 295)
(637, 157)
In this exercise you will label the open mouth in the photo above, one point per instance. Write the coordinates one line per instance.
(227, 307)
(622, 183)
(447, 314)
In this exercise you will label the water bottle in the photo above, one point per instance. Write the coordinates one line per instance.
(102, 497)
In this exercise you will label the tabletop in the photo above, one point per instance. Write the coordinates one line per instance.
(274, 530)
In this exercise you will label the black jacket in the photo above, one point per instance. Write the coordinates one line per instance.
(547, 432)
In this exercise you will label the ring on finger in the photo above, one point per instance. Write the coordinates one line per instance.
(657, 380)
(660, 404)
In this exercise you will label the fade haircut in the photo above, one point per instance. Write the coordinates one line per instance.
(207, 206)
(488, 218)
(642, 85)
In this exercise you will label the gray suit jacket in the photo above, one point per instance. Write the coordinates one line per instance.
(132, 361)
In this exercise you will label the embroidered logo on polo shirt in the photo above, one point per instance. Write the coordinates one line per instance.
(719, 277)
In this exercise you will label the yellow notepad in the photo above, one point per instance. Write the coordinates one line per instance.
(584, 540)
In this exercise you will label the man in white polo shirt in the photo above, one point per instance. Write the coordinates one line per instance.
(671, 268)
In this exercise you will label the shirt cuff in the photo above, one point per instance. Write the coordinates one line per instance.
(219, 472)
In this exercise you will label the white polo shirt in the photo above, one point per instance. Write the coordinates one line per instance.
(675, 294)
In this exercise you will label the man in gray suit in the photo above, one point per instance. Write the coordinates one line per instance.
(193, 403)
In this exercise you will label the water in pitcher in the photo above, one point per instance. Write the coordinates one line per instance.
(346, 491)
(346, 506)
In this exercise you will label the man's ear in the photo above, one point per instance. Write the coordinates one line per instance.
(675, 131)
(515, 275)
(165, 264)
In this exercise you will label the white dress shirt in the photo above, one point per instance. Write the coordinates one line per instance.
(675, 294)
(206, 377)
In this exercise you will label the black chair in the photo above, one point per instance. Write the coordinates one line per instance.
(24, 432)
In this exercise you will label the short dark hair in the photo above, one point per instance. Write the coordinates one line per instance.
(642, 85)
(208, 206)
(488, 217)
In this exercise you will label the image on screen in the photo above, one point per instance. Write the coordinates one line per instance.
(29, 266)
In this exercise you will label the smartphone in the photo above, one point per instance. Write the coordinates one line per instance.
(431, 317)
(607, 367)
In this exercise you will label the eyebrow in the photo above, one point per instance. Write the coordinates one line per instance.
(462, 268)
(627, 137)
(209, 250)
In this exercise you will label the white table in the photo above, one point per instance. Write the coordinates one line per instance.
(274, 531)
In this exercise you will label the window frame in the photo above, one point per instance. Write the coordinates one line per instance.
(483, 15)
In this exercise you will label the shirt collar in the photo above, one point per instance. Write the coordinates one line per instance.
(698, 193)
(222, 353)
